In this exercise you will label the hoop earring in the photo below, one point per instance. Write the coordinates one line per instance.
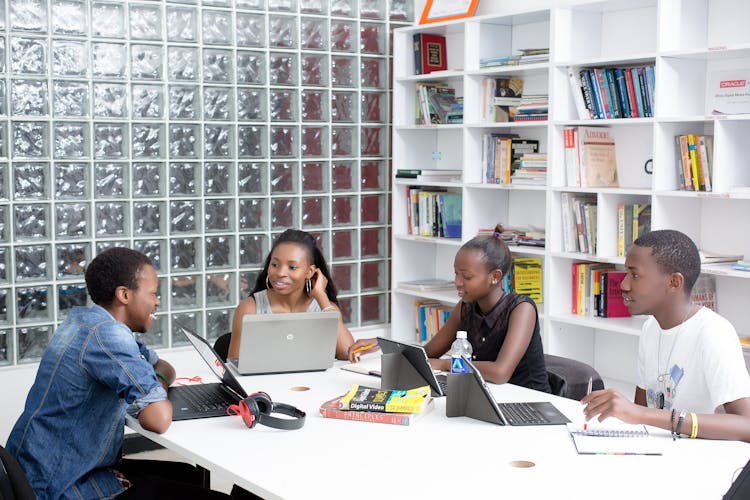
(268, 284)
(308, 285)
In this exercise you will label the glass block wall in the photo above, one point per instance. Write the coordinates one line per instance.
(194, 132)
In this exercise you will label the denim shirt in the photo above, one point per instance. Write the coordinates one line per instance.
(71, 429)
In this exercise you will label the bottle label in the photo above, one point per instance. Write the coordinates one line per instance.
(458, 365)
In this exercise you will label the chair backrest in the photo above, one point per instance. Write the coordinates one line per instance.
(570, 378)
(13, 482)
(221, 346)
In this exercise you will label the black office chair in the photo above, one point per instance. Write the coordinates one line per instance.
(221, 346)
(13, 482)
(570, 378)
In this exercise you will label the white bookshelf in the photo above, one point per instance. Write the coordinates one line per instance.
(686, 41)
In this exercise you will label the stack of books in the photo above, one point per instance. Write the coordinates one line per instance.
(530, 56)
(532, 170)
(367, 404)
(533, 107)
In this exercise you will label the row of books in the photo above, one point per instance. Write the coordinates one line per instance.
(694, 161)
(436, 103)
(525, 56)
(433, 213)
(596, 291)
(590, 157)
(633, 221)
(430, 316)
(502, 154)
(579, 222)
(603, 93)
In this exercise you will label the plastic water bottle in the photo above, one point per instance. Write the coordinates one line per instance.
(460, 346)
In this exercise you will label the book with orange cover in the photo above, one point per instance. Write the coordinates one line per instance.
(330, 409)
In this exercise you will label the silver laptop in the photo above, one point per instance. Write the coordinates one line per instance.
(287, 342)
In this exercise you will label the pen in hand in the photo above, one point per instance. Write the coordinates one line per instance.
(364, 348)
(588, 391)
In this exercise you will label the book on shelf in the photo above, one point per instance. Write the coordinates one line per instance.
(362, 398)
(633, 221)
(429, 53)
(427, 285)
(514, 236)
(694, 155)
(433, 212)
(590, 157)
(709, 257)
(704, 291)
(491, 62)
(613, 305)
(434, 102)
(536, 55)
(533, 107)
(526, 277)
(430, 317)
(414, 173)
(605, 93)
(330, 409)
(579, 213)
(741, 265)
(500, 98)
(728, 92)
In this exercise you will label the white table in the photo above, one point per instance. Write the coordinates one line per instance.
(436, 457)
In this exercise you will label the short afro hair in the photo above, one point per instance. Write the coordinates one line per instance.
(113, 268)
(674, 252)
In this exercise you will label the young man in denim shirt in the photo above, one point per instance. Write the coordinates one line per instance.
(69, 437)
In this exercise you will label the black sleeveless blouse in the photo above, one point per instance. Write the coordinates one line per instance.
(486, 333)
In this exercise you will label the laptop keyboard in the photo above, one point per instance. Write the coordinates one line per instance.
(442, 381)
(200, 398)
(521, 414)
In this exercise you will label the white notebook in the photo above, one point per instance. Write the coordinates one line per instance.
(615, 438)
(367, 366)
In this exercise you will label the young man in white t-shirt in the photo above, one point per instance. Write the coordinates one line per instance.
(692, 375)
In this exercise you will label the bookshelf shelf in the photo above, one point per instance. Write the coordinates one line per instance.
(446, 297)
(452, 242)
(508, 125)
(624, 60)
(415, 182)
(628, 326)
(687, 42)
(505, 187)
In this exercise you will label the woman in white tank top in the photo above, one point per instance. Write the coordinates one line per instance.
(295, 278)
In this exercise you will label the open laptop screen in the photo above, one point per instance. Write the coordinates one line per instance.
(213, 361)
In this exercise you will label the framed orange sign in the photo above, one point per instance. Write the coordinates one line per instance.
(444, 10)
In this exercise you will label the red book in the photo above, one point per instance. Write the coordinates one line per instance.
(615, 305)
(429, 53)
(330, 409)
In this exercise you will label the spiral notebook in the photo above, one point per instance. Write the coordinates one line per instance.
(619, 440)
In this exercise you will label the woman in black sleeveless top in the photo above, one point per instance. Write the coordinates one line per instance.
(503, 329)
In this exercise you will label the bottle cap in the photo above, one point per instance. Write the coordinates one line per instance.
(461, 334)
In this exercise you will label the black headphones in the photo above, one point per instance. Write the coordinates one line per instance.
(257, 408)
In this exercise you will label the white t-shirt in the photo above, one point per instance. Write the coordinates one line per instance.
(700, 364)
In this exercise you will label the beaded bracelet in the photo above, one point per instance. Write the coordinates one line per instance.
(671, 425)
(694, 433)
(161, 376)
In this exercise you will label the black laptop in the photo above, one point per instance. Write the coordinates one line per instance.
(417, 357)
(205, 400)
(537, 413)
(740, 488)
